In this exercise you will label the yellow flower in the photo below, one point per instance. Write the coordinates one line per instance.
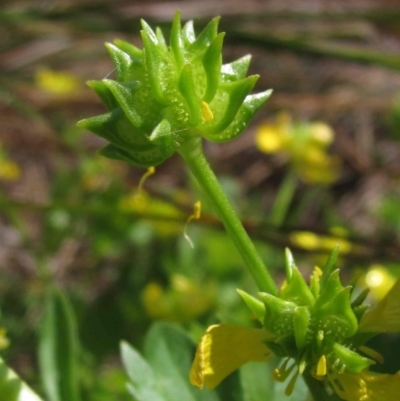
(225, 348)
(57, 83)
(9, 171)
(367, 386)
(305, 144)
(182, 301)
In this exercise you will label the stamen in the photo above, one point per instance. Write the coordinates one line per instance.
(372, 353)
(194, 216)
(321, 366)
(150, 171)
(292, 382)
(207, 113)
(281, 374)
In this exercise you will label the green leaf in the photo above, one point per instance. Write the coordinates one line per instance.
(169, 351)
(58, 349)
(12, 388)
(257, 381)
(143, 384)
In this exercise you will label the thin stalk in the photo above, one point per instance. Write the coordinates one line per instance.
(283, 199)
(192, 153)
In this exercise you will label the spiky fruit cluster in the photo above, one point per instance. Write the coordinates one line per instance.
(314, 323)
(164, 95)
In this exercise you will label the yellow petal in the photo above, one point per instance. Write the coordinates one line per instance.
(223, 349)
(270, 138)
(369, 386)
(385, 317)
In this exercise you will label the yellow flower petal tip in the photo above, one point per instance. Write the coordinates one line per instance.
(223, 349)
(385, 316)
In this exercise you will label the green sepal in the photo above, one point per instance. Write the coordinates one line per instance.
(352, 361)
(236, 69)
(212, 62)
(134, 52)
(104, 93)
(249, 108)
(255, 305)
(296, 289)
(301, 323)
(188, 34)
(279, 314)
(207, 35)
(161, 136)
(122, 62)
(329, 265)
(337, 315)
(153, 56)
(175, 40)
(188, 90)
(124, 94)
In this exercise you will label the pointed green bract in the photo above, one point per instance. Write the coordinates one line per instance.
(182, 82)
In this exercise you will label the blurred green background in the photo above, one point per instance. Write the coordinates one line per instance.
(319, 165)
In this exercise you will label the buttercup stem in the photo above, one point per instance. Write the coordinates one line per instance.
(192, 152)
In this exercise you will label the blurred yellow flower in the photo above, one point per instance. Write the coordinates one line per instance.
(163, 213)
(182, 301)
(305, 145)
(313, 242)
(57, 82)
(379, 280)
(9, 171)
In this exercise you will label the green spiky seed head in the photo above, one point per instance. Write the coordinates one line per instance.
(163, 95)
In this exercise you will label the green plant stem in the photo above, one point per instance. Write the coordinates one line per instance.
(283, 199)
(192, 153)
